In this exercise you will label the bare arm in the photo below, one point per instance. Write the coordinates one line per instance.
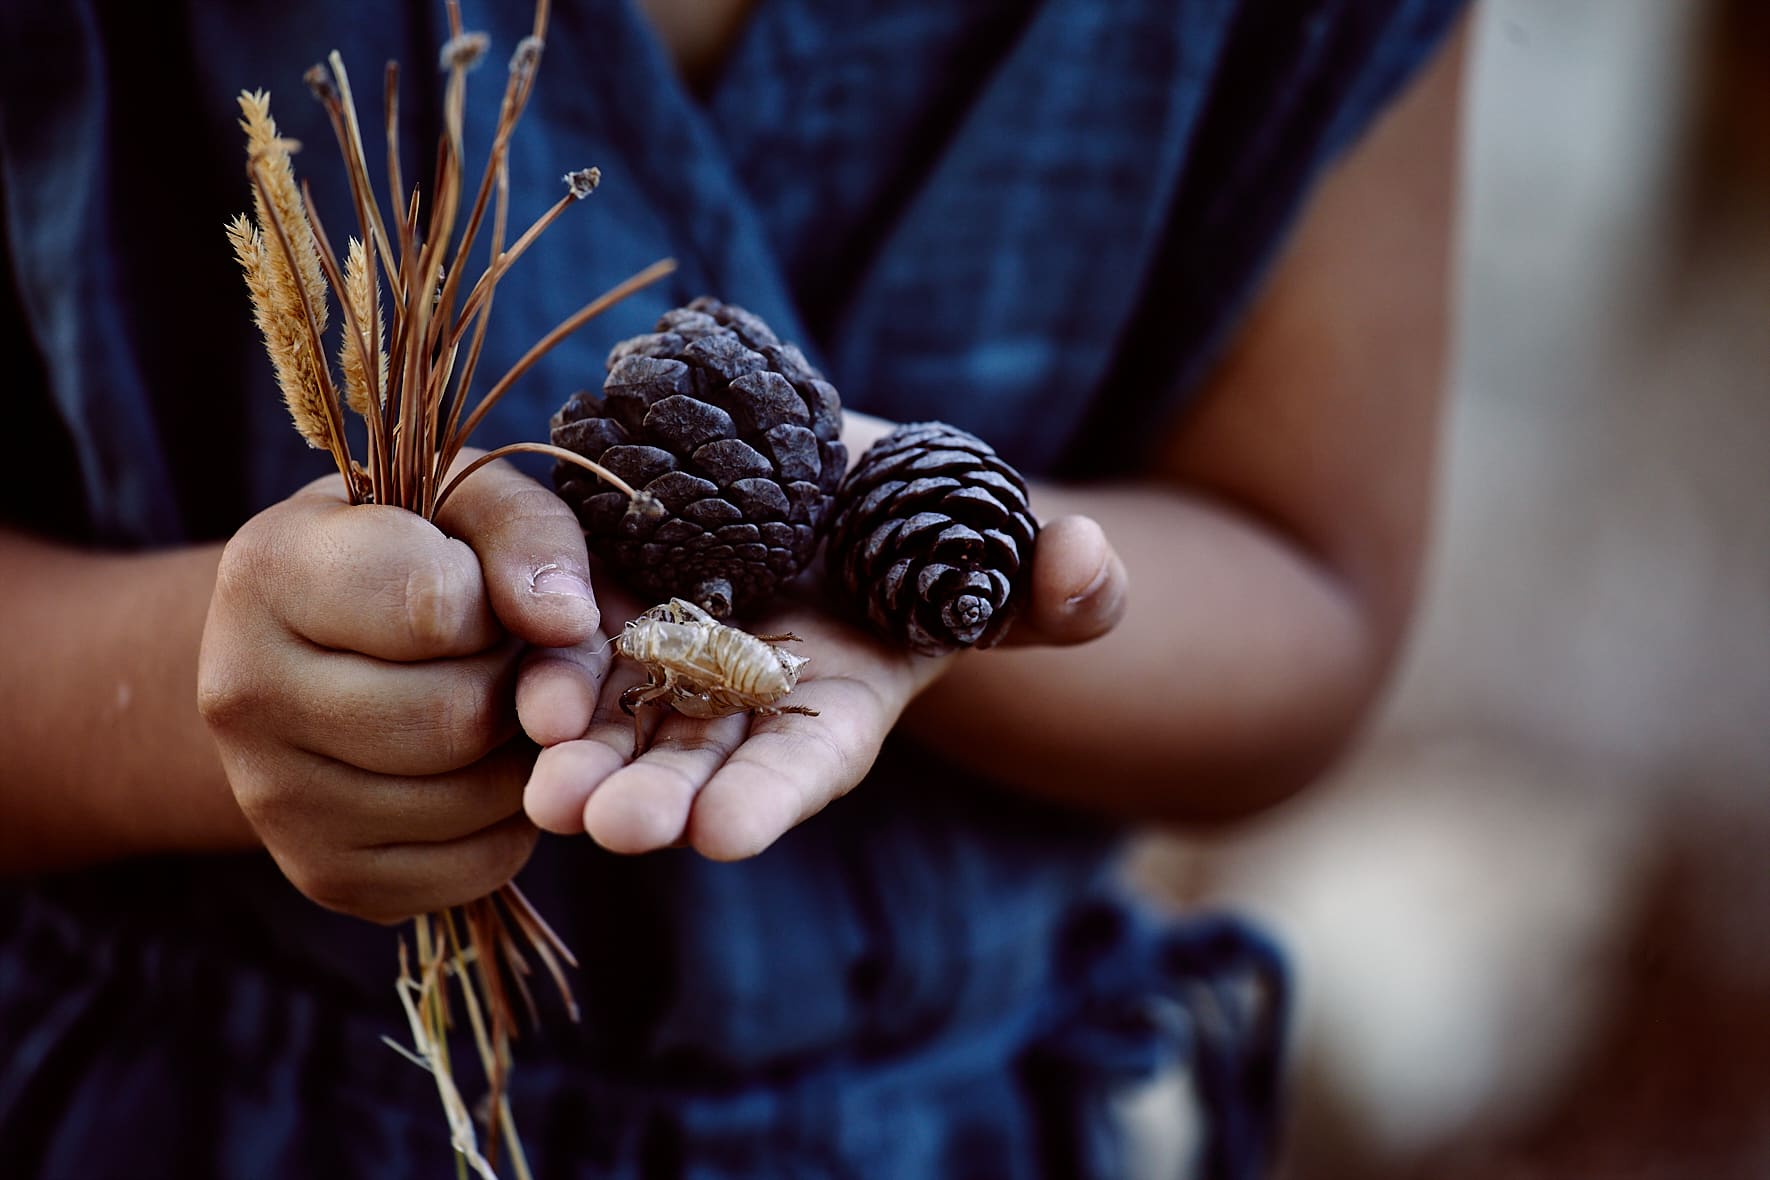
(105, 753)
(1274, 553)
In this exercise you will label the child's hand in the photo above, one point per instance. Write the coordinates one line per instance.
(732, 786)
(357, 670)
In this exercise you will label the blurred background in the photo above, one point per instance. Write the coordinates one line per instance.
(1531, 914)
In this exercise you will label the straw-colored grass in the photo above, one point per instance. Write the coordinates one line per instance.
(362, 296)
(408, 349)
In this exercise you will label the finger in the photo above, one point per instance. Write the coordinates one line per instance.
(611, 724)
(531, 553)
(402, 719)
(557, 689)
(392, 883)
(365, 578)
(322, 802)
(565, 775)
(645, 805)
(789, 769)
(1077, 588)
(562, 780)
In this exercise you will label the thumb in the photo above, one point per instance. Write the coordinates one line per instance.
(531, 554)
(1077, 587)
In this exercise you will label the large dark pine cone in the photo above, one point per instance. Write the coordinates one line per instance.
(932, 539)
(733, 432)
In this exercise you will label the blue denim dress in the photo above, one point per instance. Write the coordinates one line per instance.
(1037, 219)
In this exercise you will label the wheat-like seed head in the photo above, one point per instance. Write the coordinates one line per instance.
(285, 339)
(365, 316)
(276, 283)
(270, 152)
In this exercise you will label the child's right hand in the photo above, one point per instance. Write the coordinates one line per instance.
(357, 673)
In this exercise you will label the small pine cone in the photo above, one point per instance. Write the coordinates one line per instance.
(932, 539)
(732, 432)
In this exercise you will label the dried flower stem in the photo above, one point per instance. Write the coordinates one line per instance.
(541, 347)
(536, 448)
(502, 261)
(356, 352)
(342, 111)
(471, 365)
(390, 120)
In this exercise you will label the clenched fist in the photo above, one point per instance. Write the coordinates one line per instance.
(358, 670)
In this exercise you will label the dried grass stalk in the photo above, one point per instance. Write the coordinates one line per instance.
(271, 152)
(285, 340)
(285, 335)
(284, 289)
(363, 300)
(397, 359)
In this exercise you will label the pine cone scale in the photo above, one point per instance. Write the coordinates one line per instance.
(768, 400)
(676, 490)
(684, 423)
(638, 464)
(760, 499)
(596, 434)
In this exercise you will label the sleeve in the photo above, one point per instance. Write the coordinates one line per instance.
(1295, 89)
(1405, 43)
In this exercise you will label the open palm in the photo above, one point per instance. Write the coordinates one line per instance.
(730, 786)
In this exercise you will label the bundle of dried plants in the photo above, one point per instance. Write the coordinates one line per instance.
(410, 339)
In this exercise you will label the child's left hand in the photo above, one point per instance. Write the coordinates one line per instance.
(731, 786)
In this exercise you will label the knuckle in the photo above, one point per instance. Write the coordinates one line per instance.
(238, 576)
(846, 769)
(223, 701)
(229, 692)
(437, 600)
(279, 802)
(254, 559)
(527, 503)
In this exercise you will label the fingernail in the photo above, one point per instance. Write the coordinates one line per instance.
(553, 579)
(1094, 586)
(1102, 603)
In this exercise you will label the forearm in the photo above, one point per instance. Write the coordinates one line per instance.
(1274, 552)
(1241, 667)
(106, 754)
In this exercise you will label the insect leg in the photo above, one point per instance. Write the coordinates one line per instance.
(643, 694)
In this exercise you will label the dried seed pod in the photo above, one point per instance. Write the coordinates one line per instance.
(931, 540)
(732, 432)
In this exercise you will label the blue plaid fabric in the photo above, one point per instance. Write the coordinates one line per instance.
(1034, 218)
